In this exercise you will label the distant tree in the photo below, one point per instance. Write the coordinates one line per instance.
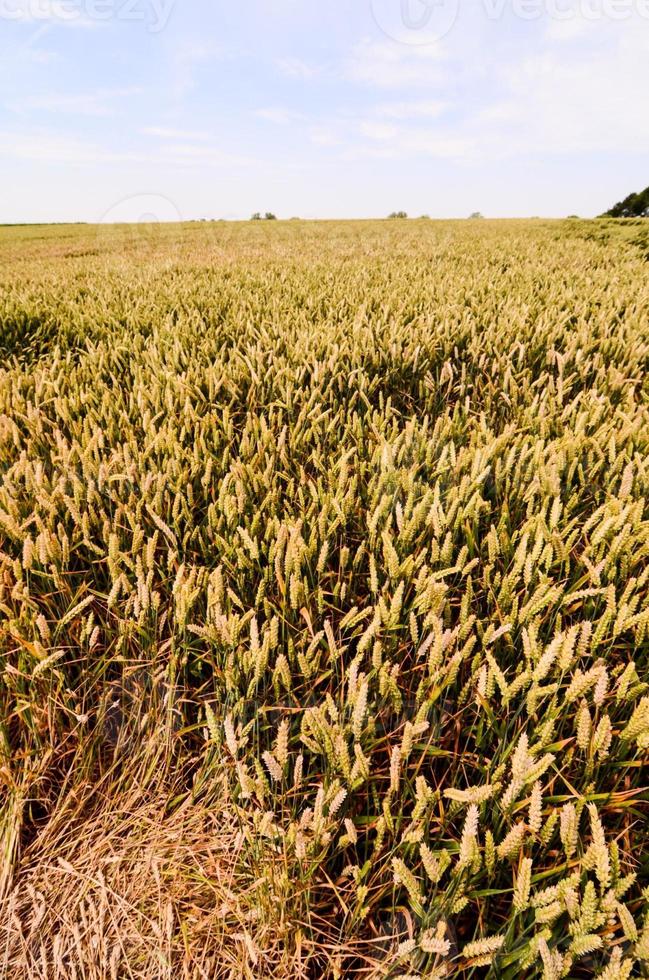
(476, 216)
(398, 214)
(424, 217)
(633, 206)
(256, 216)
(269, 216)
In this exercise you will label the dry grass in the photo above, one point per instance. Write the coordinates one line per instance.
(128, 891)
(153, 885)
(127, 882)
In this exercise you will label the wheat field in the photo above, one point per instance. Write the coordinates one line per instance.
(324, 603)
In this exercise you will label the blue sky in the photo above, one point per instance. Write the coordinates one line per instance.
(119, 109)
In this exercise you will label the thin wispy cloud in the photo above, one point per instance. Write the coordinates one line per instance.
(378, 131)
(297, 68)
(279, 115)
(36, 145)
(167, 133)
(401, 142)
(325, 136)
(415, 109)
(59, 149)
(99, 104)
(386, 65)
(188, 59)
(187, 153)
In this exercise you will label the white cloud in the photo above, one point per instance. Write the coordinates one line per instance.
(278, 115)
(361, 137)
(186, 153)
(586, 103)
(88, 104)
(325, 135)
(444, 145)
(378, 131)
(498, 113)
(164, 133)
(41, 144)
(387, 64)
(188, 57)
(38, 56)
(570, 29)
(398, 143)
(416, 109)
(296, 68)
(534, 101)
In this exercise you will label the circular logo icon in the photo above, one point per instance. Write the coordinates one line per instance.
(138, 223)
(416, 22)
